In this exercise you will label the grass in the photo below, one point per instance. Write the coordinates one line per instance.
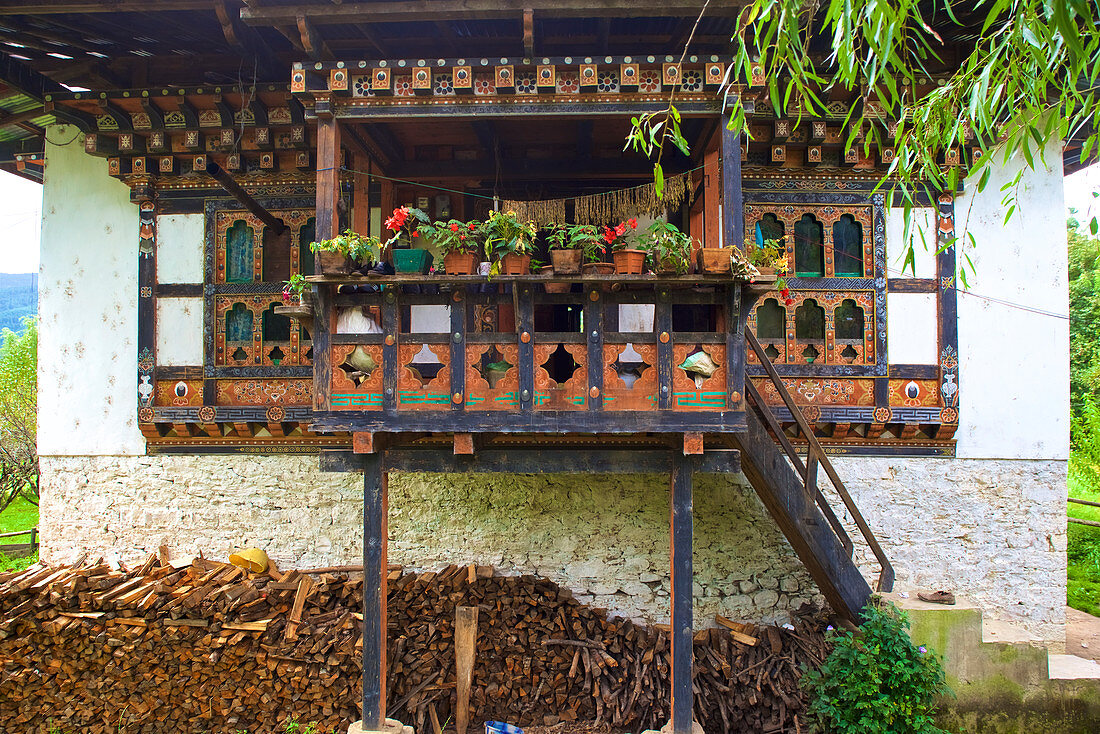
(1083, 549)
(19, 515)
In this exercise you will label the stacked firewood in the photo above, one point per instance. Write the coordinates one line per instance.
(207, 646)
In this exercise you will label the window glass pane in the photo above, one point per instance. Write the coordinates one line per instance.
(239, 263)
(276, 327)
(276, 258)
(848, 246)
(809, 321)
(809, 250)
(771, 320)
(238, 324)
(848, 319)
(768, 228)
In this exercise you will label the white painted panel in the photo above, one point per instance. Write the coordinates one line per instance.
(911, 328)
(179, 332)
(922, 233)
(1014, 362)
(636, 317)
(87, 302)
(430, 319)
(179, 248)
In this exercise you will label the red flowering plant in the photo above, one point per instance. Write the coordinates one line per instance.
(622, 236)
(405, 223)
(453, 236)
(294, 288)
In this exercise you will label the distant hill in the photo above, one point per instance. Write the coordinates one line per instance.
(18, 298)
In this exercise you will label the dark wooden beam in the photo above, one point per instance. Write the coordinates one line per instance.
(681, 570)
(24, 116)
(14, 7)
(552, 461)
(407, 10)
(733, 219)
(312, 41)
(528, 32)
(375, 537)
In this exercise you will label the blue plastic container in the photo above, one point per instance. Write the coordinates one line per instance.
(499, 727)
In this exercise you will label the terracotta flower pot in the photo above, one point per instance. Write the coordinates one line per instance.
(598, 268)
(715, 260)
(513, 264)
(460, 263)
(566, 262)
(629, 262)
(553, 287)
(333, 263)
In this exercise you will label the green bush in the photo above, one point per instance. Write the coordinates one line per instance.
(876, 681)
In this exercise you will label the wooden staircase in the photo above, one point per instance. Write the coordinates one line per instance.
(787, 484)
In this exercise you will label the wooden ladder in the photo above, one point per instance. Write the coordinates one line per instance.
(788, 486)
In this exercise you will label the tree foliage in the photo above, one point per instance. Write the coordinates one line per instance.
(1027, 72)
(19, 414)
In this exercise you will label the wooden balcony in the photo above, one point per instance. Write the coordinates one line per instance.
(610, 354)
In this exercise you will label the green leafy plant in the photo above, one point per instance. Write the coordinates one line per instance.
(771, 254)
(350, 244)
(668, 246)
(507, 234)
(294, 287)
(876, 681)
(584, 237)
(454, 236)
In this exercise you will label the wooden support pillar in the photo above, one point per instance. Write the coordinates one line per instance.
(681, 534)
(328, 178)
(733, 208)
(375, 481)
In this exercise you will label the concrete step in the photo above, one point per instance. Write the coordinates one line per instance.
(1071, 667)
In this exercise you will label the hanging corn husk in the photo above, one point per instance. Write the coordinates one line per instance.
(617, 206)
(542, 213)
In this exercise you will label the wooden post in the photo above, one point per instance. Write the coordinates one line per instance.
(733, 207)
(465, 648)
(328, 179)
(681, 532)
(375, 482)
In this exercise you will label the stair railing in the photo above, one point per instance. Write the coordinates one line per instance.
(815, 457)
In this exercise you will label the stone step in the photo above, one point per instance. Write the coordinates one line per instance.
(1071, 667)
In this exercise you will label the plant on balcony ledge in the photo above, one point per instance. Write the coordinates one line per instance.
(628, 260)
(508, 243)
(669, 247)
(570, 243)
(770, 258)
(405, 223)
(297, 301)
(460, 243)
(346, 253)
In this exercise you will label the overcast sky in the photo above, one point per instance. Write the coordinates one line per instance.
(21, 215)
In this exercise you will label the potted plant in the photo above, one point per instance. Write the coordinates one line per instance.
(345, 253)
(569, 243)
(509, 240)
(459, 243)
(669, 247)
(405, 223)
(297, 301)
(770, 258)
(628, 260)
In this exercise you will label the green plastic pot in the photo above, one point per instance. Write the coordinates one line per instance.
(412, 261)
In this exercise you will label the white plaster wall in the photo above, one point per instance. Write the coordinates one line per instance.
(1014, 362)
(991, 530)
(87, 302)
(180, 248)
(179, 332)
(911, 328)
(922, 233)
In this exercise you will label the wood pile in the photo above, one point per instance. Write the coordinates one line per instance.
(207, 646)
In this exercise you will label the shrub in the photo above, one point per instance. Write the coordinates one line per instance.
(876, 681)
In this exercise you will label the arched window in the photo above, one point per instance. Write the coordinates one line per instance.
(275, 327)
(771, 320)
(848, 247)
(848, 320)
(768, 228)
(809, 250)
(238, 324)
(276, 258)
(306, 235)
(239, 261)
(809, 321)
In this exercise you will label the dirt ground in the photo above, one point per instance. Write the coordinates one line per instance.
(1082, 634)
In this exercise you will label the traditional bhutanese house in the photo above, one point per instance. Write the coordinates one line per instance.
(194, 150)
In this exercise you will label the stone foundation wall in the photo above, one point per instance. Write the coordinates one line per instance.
(995, 529)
